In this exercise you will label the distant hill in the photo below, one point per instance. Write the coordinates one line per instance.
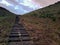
(43, 25)
(3, 11)
(52, 11)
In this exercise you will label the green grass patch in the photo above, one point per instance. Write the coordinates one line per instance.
(7, 20)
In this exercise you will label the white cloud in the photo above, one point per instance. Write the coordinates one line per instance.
(26, 2)
(5, 2)
(30, 4)
(45, 3)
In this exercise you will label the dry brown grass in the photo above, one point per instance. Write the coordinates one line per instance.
(43, 31)
(43, 25)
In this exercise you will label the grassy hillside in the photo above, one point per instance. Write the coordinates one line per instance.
(43, 25)
(7, 20)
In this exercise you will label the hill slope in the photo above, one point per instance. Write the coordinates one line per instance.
(7, 20)
(43, 25)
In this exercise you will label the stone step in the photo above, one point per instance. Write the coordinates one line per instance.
(13, 36)
(23, 32)
(25, 39)
(24, 35)
(18, 24)
(27, 43)
(14, 40)
(13, 33)
(18, 28)
(15, 43)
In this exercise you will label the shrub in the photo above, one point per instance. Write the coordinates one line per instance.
(34, 14)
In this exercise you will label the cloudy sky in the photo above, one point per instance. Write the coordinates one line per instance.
(44, 3)
(21, 7)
